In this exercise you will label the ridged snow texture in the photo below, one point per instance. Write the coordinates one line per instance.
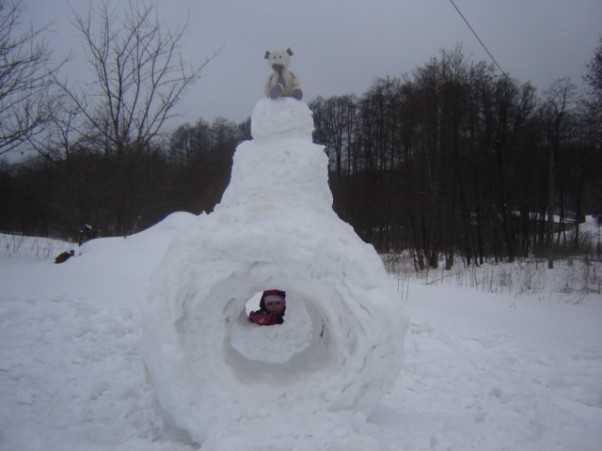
(340, 347)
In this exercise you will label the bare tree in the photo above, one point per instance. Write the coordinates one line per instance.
(593, 78)
(336, 117)
(139, 77)
(25, 78)
(560, 100)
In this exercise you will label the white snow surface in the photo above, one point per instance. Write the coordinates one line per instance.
(339, 350)
(480, 370)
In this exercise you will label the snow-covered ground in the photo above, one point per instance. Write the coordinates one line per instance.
(481, 370)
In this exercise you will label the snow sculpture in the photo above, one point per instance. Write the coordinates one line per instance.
(339, 349)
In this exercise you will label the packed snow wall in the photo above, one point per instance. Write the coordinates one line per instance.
(339, 349)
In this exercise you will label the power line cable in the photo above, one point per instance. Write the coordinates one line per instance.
(478, 38)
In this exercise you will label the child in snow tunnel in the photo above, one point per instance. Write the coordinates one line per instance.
(271, 308)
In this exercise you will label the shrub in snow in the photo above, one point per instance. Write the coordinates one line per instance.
(64, 256)
(339, 349)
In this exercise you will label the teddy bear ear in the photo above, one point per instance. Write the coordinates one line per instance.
(289, 51)
(267, 54)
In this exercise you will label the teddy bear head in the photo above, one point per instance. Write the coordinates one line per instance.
(279, 60)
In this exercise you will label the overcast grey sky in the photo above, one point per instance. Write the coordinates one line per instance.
(341, 46)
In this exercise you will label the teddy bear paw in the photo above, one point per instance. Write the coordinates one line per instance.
(297, 93)
(276, 91)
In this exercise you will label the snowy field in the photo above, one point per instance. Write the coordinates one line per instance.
(481, 370)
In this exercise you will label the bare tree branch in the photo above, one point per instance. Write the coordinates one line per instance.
(26, 77)
(139, 73)
(139, 77)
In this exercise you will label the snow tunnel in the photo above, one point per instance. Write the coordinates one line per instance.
(340, 346)
(279, 355)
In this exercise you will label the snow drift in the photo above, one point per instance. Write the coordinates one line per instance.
(339, 350)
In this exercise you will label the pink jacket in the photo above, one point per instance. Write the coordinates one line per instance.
(264, 318)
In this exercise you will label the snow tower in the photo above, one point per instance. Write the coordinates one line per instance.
(339, 349)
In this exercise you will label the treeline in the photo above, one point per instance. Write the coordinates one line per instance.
(459, 160)
(50, 196)
(452, 160)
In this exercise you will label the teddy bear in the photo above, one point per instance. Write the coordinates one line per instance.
(281, 82)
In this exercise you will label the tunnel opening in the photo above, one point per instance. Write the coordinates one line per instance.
(279, 354)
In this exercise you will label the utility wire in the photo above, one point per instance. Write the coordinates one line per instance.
(478, 38)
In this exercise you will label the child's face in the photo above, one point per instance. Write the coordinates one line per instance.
(274, 304)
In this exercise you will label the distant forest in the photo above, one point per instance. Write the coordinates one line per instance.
(452, 161)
